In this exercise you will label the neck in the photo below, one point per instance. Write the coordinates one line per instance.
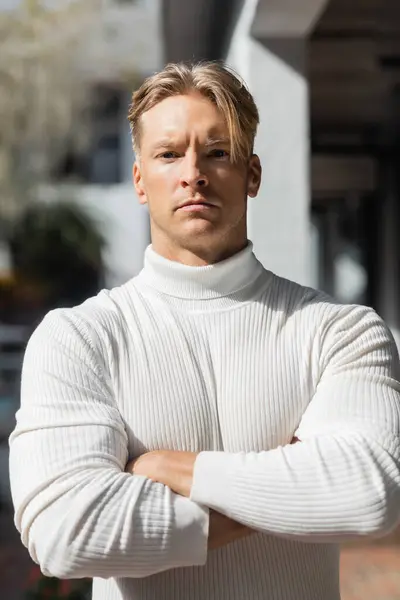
(225, 283)
(198, 256)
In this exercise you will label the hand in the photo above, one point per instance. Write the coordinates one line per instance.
(175, 469)
(148, 465)
(223, 530)
(172, 468)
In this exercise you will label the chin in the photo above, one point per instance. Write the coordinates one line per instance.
(200, 237)
(198, 227)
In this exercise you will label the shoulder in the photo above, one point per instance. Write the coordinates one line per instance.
(338, 330)
(90, 326)
(318, 307)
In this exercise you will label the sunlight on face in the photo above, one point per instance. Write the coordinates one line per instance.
(197, 197)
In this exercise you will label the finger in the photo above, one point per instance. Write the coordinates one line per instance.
(130, 466)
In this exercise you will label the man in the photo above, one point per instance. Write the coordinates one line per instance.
(153, 448)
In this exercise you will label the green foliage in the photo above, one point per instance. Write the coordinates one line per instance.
(59, 248)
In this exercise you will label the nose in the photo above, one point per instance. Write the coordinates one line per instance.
(192, 175)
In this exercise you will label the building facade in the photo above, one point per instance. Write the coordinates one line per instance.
(326, 77)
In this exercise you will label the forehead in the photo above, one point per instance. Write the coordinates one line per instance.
(184, 115)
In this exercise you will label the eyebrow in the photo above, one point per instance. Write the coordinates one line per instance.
(214, 141)
(210, 141)
(164, 142)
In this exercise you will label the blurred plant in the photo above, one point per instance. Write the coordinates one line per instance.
(57, 249)
(50, 588)
(43, 92)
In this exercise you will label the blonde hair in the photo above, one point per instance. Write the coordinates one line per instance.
(213, 80)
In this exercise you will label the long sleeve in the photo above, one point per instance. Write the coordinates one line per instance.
(79, 513)
(343, 480)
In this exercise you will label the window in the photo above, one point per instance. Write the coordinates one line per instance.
(100, 162)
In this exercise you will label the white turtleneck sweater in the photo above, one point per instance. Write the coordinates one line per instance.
(230, 361)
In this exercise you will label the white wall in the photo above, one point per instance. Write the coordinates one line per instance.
(125, 224)
(121, 219)
(279, 222)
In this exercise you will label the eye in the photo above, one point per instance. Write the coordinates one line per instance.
(168, 155)
(219, 153)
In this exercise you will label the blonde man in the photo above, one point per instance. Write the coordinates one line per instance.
(153, 448)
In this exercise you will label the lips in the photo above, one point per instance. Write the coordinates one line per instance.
(196, 205)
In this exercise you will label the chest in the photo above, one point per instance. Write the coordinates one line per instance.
(233, 381)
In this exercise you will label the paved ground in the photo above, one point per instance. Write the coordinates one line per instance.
(368, 572)
(371, 573)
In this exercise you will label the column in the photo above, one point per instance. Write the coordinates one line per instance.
(387, 260)
(268, 50)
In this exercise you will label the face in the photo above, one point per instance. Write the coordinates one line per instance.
(197, 197)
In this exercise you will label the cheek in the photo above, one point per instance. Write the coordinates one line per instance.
(229, 183)
(162, 179)
(162, 191)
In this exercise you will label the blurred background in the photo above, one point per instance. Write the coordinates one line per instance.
(326, 77)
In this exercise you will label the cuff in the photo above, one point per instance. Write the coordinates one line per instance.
(190, 541)
(213, 478)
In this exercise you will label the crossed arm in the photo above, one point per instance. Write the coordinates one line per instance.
(174, 469)
(343, 480)
(169, 467)
(82, 515)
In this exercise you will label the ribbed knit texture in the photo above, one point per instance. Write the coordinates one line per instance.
(231, 361)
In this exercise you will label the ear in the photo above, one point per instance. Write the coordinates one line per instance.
(254, 176)
(138, 183)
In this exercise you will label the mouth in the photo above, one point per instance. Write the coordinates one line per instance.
(196, 206)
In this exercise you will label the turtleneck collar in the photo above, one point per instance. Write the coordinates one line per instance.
(218, 280)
